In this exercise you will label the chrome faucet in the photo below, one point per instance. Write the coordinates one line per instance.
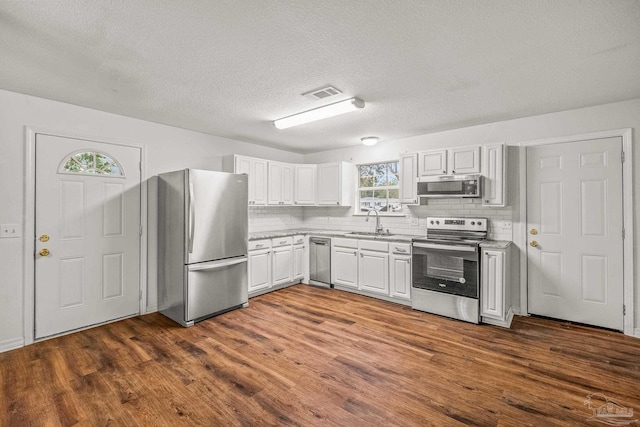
(379, 229)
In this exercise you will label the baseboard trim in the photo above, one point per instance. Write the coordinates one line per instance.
(636, 333)
(151, 309)
(11, 344)
(496, 322)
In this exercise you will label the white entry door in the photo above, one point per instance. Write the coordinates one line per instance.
(87, 225)
(574, 215)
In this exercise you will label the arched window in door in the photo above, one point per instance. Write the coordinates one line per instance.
(91, 163)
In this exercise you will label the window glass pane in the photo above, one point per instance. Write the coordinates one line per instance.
(367, 178)
(367, 200)
(393, 175)
(91, 163)
(394, 200)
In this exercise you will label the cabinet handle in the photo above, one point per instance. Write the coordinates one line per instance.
(453, 171)
(355, 253)
(283, 242)
(259, 246)
(444, 172)
(400, 249)
(338, 203)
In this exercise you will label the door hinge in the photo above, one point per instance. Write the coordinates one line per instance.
(140, 166)
(140, 231)
(622, 233)
(624, 310)
(622, 156)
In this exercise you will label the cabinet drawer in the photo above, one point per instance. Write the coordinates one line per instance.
(259, 244)
(281, 241)
(345, 243)
(374, 245)
(298, 240)
(401, 248)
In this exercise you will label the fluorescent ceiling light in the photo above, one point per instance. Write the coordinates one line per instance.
(369, 140)
(320, 113)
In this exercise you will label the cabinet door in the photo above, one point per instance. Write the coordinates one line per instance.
(408, 178)
(373, 272)
(464, 160)
(492, 284)
(282, 265)
(298, 261)
(287, 184)
(329, 184)
(344, 267)
(493, 169)
(432, 162)
(259, 172)
(305, 185)
(243, 165)
(274, 185)
(259, 270)
(400, 276)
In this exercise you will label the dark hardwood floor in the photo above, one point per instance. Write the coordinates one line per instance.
(308, 356)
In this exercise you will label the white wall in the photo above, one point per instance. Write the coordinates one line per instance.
(167, 148)
(573, 122)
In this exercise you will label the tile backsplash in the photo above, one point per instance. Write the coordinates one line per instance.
(414, 220)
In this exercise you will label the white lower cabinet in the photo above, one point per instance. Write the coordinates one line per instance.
(373, 267)
(259, 265)
(275, 263)
(400, 271)
(282, 260)
(299, 257)
(495, 298)
(344, 262)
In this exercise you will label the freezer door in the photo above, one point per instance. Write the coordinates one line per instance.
(217, 215)
(215, 286)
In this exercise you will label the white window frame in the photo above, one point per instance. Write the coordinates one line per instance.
(357, 211)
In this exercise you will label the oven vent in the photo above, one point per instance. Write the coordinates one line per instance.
(325, 92)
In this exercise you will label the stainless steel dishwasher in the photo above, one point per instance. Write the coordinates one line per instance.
(320, 261)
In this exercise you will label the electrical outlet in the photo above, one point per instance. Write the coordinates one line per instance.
(9, 230)
(415, 221)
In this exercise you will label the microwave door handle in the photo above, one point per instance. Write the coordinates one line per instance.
(445, 247)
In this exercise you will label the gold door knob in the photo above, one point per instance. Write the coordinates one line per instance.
(533, 231)
(44, 252)
(534, 244)
(44, 238)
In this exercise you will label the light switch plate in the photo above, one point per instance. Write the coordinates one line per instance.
(9, 230)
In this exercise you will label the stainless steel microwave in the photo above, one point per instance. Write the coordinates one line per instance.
(450, 186)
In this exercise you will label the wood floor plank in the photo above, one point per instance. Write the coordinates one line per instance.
(308, 356)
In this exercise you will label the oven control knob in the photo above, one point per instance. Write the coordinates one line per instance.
(438, 222)
(479, 223)
(431, 222)
(474, 223)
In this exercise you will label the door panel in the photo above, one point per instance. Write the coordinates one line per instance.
(92, 219)
(218, 215)
(574, 212)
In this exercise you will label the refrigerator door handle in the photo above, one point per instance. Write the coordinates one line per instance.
(192, 218)
(213, 265)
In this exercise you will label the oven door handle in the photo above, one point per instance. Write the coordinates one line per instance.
(446, 247)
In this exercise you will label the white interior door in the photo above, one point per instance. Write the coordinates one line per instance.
(88, 220)
(575, 221)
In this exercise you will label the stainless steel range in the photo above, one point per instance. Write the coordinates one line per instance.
(446, 268)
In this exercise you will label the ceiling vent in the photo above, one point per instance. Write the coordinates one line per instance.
(322, 93)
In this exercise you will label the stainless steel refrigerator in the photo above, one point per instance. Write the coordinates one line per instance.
(202, 243)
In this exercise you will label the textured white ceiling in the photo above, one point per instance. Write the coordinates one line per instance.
(230, 67)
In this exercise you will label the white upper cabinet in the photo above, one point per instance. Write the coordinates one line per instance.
(408, 178)
(280, 183)
(454, 161)
(336, 184)
(493, 170)
(432, 162)
(256, 169)
(304, 185)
